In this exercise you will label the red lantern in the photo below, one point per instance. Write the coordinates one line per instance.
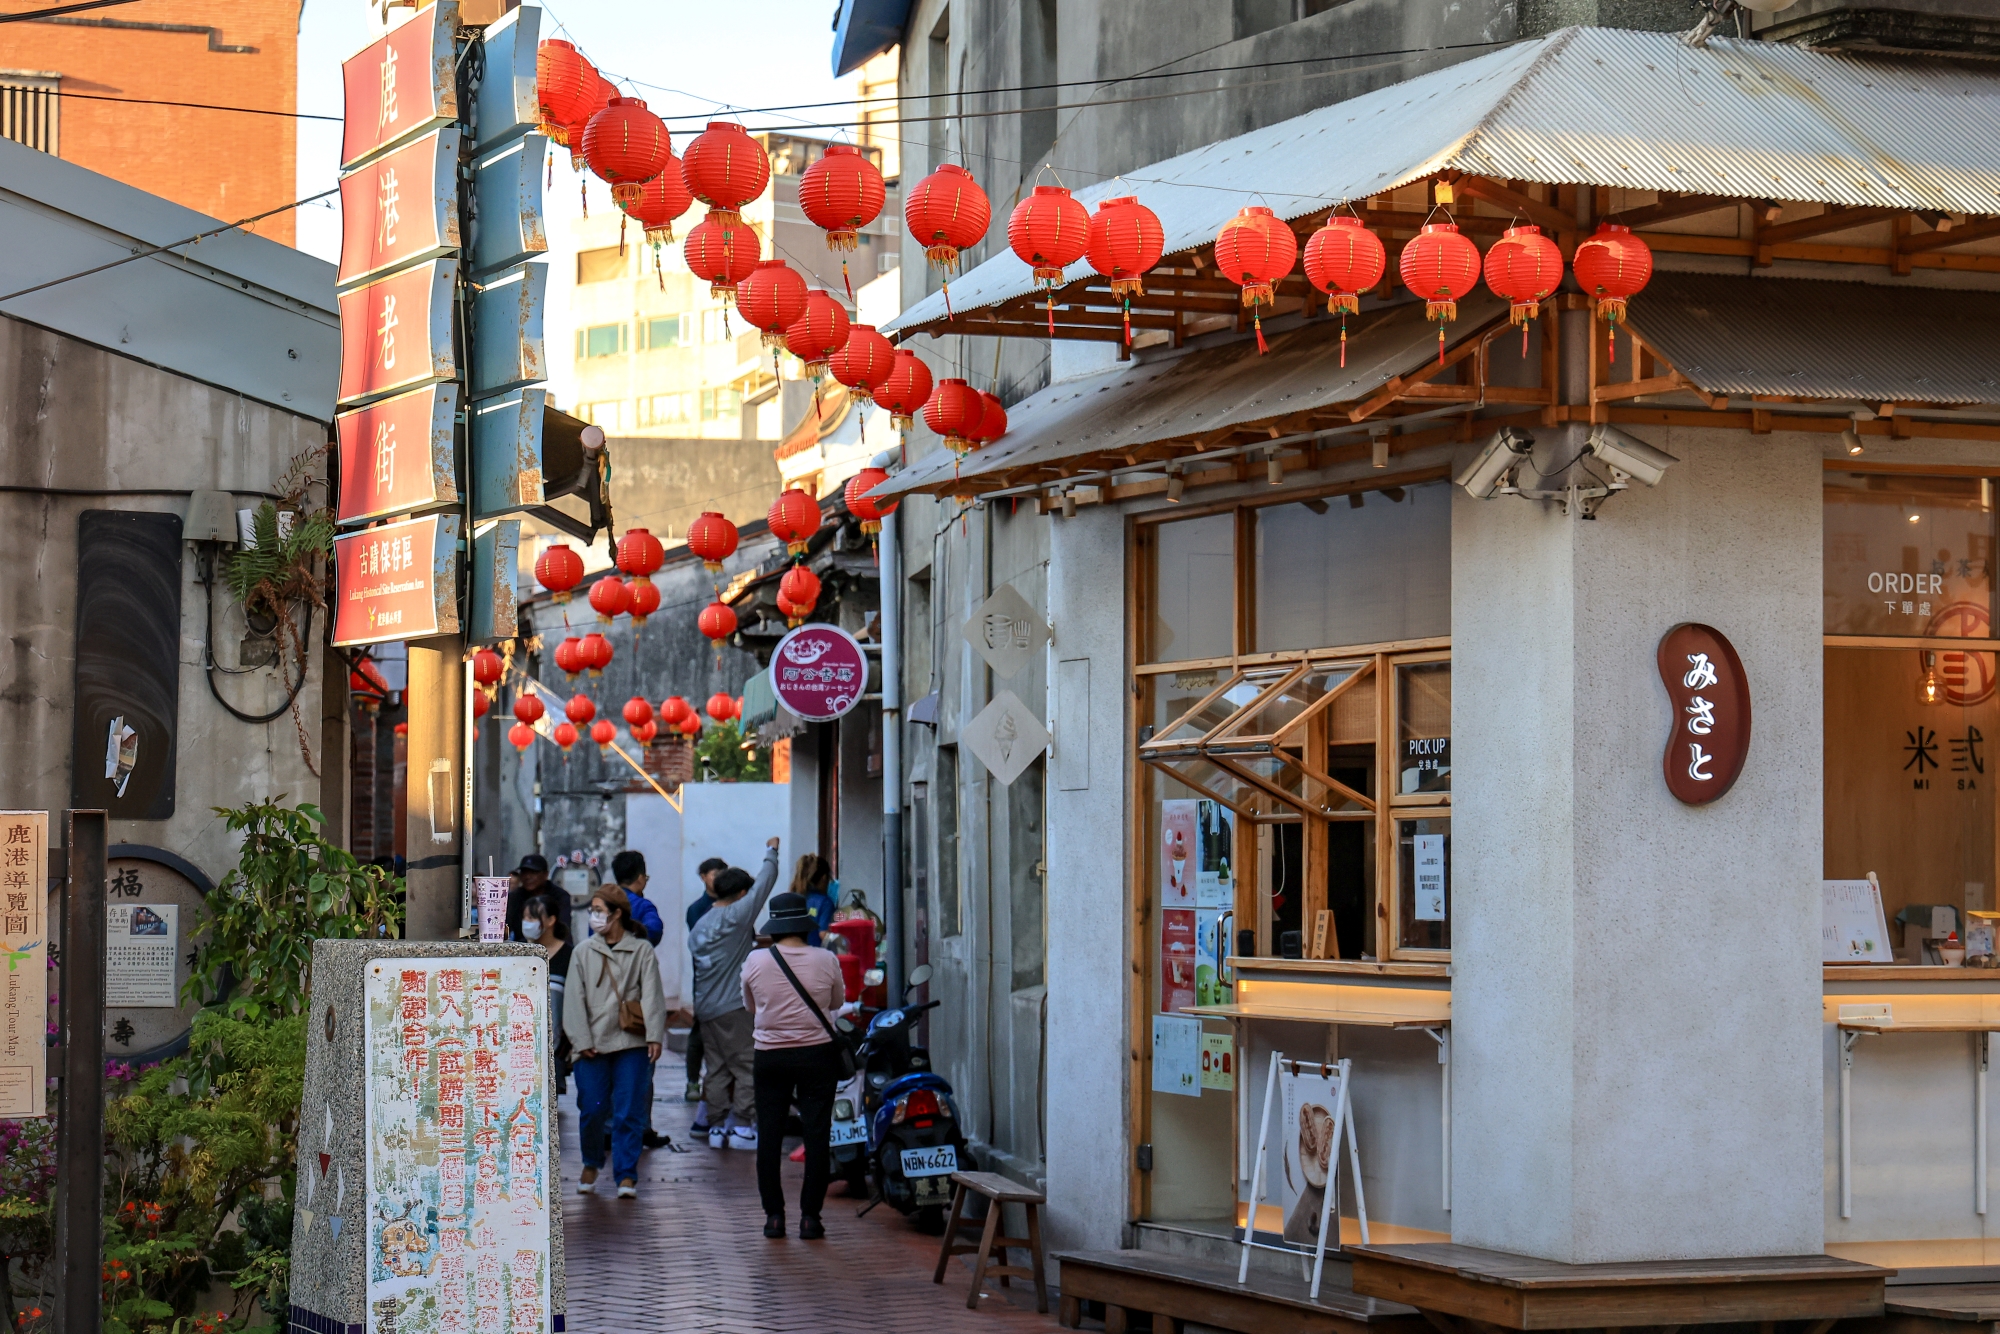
(660, 201)
(609, 599)
(1440, 265)
(1344, 259)
(1612, 266)
(1524, 266)
(947, 212)
(1125, 243)
(595, 652)
(814, 336)
(864, 362)
(906, 390)
(645, 596)
(529, 708)
(840, 194)
(1255, 250)
(717, 622)
(793, 614)
(725, 169)
(644, 733)
(480, 705)
(772, 298)
(522, 735)
(1049, 231)
(871, 512)
(574, 132)
(579, 709)
(558, 569)
(721, 706)
(674, 711)
(564, 735)
(794, 518)
(713, 539)
(569, 657)
(486, 667)
(637, 711)
(603, 732)
(800, 588)
(690, 725)
(720, 256)
(565, 88)
(627, 145)
(992, 420)
(955, 411)
(640, 553)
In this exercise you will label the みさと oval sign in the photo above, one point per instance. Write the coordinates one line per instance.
(1710, 735)
(819, 672)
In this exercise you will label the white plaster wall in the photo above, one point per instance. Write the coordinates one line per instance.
(1636, 982)
(1089, 1056)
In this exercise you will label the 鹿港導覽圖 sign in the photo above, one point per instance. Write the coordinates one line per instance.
(1710, 699)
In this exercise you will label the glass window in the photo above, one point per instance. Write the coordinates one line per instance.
(1423, 884)
(661, 331)
(1194, 589)
(946, 788)
(716, 404)
(599, 266)
(1359, 569)
(604, 340)
(609, 415)
(715, 326)
(1423, 725)
(1909, 556)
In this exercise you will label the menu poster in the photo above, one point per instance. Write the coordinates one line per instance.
(1209, 952)
(1309, 1135)
(1218, 1061)
(490, 893)
(142, 945)
(1215, 829)
(459, 1146)
(1428, 850)
(1177, 959)
(1177, 1055)
(1852, 928)
(24, 944)
(1178, 844)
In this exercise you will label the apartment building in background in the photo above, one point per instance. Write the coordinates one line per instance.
(87, 87)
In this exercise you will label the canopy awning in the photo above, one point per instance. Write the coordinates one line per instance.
(1869, 138)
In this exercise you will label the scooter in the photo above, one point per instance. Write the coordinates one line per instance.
(913, 1136)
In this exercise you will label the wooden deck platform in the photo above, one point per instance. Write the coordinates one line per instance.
(1935, 1308)
(1174, 1289)
(1519, 1292)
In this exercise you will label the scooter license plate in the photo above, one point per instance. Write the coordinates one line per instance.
(934, 1162)
(848, 1132)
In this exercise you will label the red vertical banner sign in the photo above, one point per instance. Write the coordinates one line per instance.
(397, 581)
(400, 208)
(396, 333)
(396, 455)
(402, 85)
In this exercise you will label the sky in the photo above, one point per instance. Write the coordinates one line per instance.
(683, 58)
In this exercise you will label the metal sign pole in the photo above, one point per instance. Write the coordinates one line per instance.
(80, 1110)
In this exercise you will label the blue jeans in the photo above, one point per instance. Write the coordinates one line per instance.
(613, 1085)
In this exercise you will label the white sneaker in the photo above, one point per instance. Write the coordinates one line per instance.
(743, 1137)
(718, 1138)
(628, 1189)
(587, 1182)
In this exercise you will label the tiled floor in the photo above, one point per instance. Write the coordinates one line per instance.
(690, 1255)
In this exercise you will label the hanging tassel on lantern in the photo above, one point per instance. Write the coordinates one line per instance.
(621, 233)
(583, 192)
(1128, 319)
(845, 281)
(1257, 321)
(658, 272)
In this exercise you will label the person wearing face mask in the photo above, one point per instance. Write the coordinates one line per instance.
(615, 1014)
(542, 924)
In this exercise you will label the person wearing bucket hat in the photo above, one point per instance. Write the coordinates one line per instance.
(794, 991)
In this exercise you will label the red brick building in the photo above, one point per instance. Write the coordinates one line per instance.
(225, 53)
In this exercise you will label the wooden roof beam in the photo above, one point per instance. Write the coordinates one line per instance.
(1546, 216)
(1959, 235)
(1832, 220)
(1668, 209)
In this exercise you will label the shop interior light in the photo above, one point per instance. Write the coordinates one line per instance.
(1069, 504)
(1274, 471)
(1379, 439)
(1852, 440)
(1930, 687)
(1175, 483)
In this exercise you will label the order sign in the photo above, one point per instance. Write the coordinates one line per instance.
(1710, 696)
(819, 672)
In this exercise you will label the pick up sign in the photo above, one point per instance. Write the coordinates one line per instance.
(1709, 694)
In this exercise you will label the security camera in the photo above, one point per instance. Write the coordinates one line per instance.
(1629, 456)
(1506, 449)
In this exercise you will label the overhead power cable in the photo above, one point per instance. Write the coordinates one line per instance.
(197, 106)
(53, 12)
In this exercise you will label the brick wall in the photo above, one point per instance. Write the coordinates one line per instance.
(234, 53)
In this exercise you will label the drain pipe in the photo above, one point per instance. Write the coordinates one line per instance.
(889, 575)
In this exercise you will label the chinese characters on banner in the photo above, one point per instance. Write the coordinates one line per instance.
(388, 581)
(24, 943)
(459, 1146)
(1709, 695)
(141, 949)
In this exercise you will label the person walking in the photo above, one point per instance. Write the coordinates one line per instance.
(544, 923)
(812, 880)
(615, 1013)
(720, 941)
(628, 868)
(708, 870)
(531, 877)
(793, 990)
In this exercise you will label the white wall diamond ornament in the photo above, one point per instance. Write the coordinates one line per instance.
(1006, 631)
(1006, 737)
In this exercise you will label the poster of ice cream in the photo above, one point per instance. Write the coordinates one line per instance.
(1308, 1134)
(1178, 845)
(1177, 959)
(1209, 951)
(1215, 848)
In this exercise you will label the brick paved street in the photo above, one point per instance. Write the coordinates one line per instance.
(690, 1255)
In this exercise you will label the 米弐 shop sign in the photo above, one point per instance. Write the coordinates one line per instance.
(396, 581)
(1709, 694)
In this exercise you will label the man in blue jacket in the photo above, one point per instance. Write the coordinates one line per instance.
(628, 868)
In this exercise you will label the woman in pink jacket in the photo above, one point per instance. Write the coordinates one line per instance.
(794, 993)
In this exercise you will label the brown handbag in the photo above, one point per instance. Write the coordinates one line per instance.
(631, 1014)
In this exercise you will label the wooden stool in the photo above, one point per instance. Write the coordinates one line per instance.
(998, 1190)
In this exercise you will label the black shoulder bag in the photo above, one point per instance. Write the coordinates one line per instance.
(843, 1049)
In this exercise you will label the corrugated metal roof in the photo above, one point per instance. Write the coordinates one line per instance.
(1202, 390)
(1599, 106)
(1823, 339)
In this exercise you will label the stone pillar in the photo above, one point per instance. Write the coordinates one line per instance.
(1636, 983)
(435, 782)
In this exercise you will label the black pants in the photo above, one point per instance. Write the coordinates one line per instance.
(806, 1076)
(694, 1052)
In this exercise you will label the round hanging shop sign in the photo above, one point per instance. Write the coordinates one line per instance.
(819, 672)
(1710, 734)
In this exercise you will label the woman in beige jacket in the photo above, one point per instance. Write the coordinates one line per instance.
(615, 1014)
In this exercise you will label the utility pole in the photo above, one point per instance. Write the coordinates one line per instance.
(80, 1111)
